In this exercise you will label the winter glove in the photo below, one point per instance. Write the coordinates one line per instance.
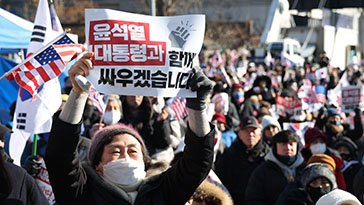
(200, 83)
(357, 111)
(322, 112)
(32, 165)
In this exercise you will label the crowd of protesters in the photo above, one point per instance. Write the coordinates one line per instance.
(232, 148)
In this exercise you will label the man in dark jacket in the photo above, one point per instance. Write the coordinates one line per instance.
(282, 164)
(238, 162)
(331, 124)
(17, 186)
(118, 169)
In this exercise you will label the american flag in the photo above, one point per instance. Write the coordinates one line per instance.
(96, 98)
(320, 91)
(179, 108)
(47, 64)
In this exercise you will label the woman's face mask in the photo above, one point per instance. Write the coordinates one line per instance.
(239, 97)
(125, 172)
(316, 192)
(112, 117)
(346, 157)
(335, 122)
(318, 148)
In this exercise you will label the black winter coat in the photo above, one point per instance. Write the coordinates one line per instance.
(74, 183)
(24, 188)
(236, 165)
(349, 176)
(266, 183)
(358, 187)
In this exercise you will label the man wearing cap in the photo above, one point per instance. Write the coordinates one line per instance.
(335, 129)
(283, 163)
(239, 161)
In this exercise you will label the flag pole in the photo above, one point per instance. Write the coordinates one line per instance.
(32, 56)
(102, 116)
(35, 142)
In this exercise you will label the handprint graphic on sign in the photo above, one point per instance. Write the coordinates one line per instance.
(179, 36)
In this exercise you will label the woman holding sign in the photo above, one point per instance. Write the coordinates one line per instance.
(118, 170)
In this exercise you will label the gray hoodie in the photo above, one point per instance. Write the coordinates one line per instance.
(288, 171)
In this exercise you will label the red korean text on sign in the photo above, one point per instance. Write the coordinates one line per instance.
(125, 43)
(351, 96)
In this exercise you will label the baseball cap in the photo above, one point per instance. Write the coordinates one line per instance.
(249, 122)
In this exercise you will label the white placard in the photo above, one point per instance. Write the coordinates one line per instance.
(351, 98)
(143, 55)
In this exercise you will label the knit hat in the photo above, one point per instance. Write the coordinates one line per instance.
(105, 136)
(332, 111)
(324, 159)
(219, 117)
(312, 134)
(316, 170)
(338, 197)
(236, 85)
(268, 121)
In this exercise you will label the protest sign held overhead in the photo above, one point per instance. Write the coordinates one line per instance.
(143, 55)
(351, 98)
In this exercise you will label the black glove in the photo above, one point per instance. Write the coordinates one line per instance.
(321, 112)
(200, 83)
(32, 165)
(357, 111)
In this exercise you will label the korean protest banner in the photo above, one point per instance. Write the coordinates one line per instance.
(280, 106)
(351, 98)
(42, 180)
(143, 55)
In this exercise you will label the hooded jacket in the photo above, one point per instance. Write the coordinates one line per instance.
(76, 183)
(236, 165)
(270, 178)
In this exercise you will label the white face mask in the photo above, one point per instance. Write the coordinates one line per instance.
(112, 117)
(125, 172)
(318, 148)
